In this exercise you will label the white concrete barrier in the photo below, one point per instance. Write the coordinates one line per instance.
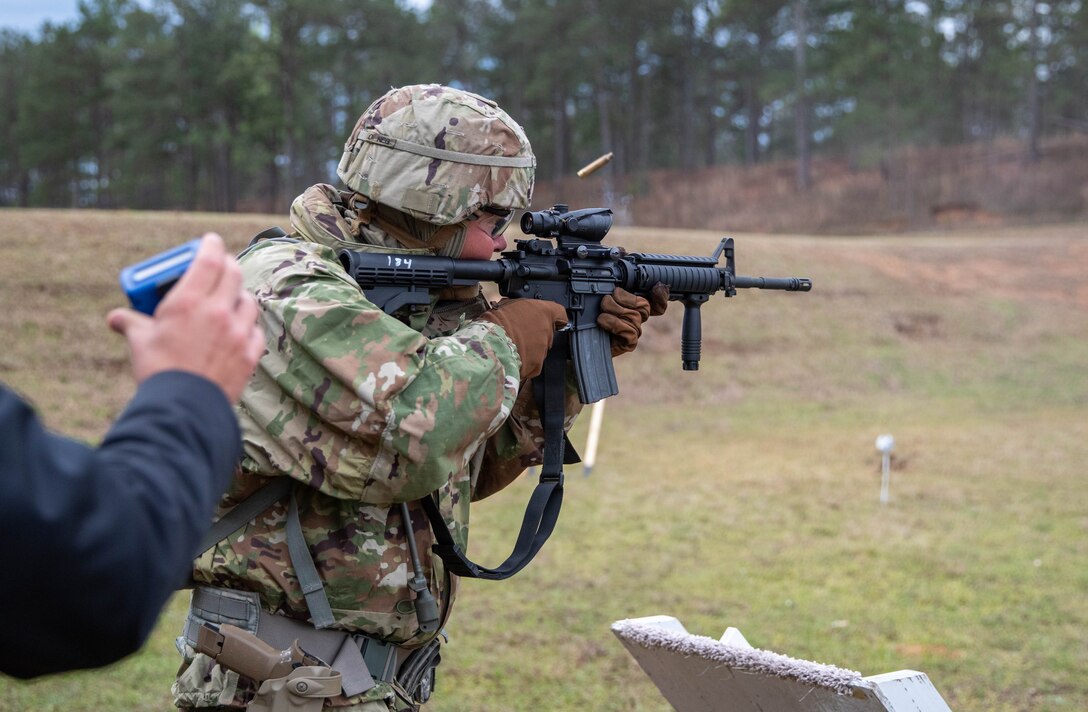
(699, 674)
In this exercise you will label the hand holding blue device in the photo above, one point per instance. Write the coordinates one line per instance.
(146, 283)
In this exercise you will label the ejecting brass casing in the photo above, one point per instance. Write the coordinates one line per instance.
(595, 165)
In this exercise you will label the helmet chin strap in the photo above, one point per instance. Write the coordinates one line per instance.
(445, 240)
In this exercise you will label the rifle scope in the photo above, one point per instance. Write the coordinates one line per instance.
(587, 225)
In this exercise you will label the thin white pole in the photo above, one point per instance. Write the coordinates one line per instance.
(885, 444)
(885, 477)
(596, 417)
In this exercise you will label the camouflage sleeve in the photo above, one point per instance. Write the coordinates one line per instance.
(519, 443)
(353, 402)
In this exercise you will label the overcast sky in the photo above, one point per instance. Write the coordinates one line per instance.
(28, 15)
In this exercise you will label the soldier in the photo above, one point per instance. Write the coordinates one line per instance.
(357, 415)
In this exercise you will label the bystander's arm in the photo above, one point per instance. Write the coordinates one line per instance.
(94, 540)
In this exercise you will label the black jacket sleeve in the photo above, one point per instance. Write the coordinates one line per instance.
(94, 540)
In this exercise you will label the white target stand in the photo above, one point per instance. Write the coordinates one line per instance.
(885, 444)
(700, 674)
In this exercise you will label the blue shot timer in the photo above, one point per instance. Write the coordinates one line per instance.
(146, 283)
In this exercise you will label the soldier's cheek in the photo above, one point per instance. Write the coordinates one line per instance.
(479, 245)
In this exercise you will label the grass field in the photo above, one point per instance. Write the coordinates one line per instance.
(741, 495)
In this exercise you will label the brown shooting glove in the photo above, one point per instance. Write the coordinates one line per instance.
(623, 313)
(530, 324)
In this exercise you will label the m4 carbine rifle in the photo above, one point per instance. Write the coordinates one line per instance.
(576, 271)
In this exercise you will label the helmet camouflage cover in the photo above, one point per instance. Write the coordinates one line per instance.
(438, 154)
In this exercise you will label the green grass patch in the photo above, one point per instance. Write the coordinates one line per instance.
(744, 494)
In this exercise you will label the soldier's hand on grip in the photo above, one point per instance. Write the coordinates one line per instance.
(623, 313)
(531, 325)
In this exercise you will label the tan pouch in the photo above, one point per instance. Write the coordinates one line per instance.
(204, 684)
(304, 690)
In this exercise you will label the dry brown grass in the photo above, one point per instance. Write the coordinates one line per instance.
(887, 314)
(743, 494)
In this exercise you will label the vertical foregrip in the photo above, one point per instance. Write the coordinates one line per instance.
(692, 335)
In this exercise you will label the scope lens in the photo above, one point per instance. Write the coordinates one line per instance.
(541, 222)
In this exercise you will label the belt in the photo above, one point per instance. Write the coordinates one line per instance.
(360, 659)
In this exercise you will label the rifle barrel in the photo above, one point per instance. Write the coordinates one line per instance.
(789, 284)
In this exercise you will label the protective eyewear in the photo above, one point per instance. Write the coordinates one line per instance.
(501, 216)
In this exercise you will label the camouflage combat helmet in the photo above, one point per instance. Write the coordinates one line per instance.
(438, 154)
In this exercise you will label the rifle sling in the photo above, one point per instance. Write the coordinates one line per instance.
(275, 490)
(271, 492)
(542, 512)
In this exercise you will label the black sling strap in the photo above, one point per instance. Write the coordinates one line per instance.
(542, 511)
(267, 234)
(541, 514)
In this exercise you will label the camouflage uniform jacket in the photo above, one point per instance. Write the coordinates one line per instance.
(365, 412)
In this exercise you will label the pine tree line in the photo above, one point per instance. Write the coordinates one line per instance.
(239, 104)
